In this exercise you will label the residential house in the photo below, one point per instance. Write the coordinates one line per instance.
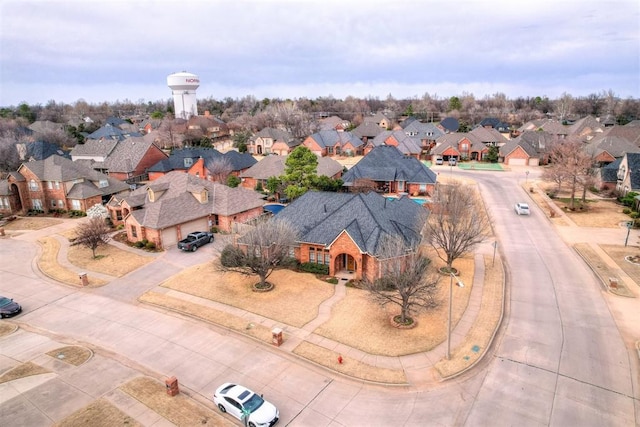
(494, 123)
(606, 148)
(408, 145)
(202, 162)
(346, 231)
(586, 128)
(608, 176)
(367, 130)
(167, 209)
(94, 151)
(554, 127)
(380, 120)
(213, 128)
(453, 146)
(518, 152)
(39, 150)
(487, 136)
(628, 176)
(274, 166)
(272, 141)
(131, 158)
(392, 172)
(109, 131)
(333, 123)
(57, 183)
(42, 127)
(334, 143)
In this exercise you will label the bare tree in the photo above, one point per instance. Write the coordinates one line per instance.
(570, 162)
(564, 106)
(408, 279)
(219, 168)
(260, 251)
(457, 222)
(92, 234)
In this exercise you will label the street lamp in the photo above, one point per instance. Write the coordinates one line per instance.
(461, 285)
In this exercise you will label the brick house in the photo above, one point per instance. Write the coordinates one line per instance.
(334, 143)
(167, 209)
(201, 162)
(407, 145)
(271, 166)
(130, 159)
(344, 231)
(519, 152)
(272, 141)
(628, 175)
(57, 183)
(392, 172)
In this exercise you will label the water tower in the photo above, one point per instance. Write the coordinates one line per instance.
(183, 86)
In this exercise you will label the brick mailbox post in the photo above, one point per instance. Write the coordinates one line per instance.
(276, 334)
(172, 386)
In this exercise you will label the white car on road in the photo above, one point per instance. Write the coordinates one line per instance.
(241, 402)
(522, 208)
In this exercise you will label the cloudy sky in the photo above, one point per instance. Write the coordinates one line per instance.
(104, 50)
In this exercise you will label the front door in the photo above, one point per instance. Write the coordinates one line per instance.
(351, 263)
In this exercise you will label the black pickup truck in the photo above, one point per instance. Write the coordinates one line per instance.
(194, 240)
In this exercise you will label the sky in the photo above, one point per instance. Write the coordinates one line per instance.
(107, 51)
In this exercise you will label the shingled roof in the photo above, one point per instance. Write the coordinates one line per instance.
(275, 165)
(387, 163)
(329, 138)
(176, 203)
(406, 143)
(320, 217)
(176, 161)
(127, 154)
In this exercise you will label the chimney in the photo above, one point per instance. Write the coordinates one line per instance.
(207, 113)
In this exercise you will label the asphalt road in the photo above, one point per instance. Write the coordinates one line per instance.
(558, 360)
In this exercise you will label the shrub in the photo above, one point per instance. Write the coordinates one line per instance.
(232, 256)
(120, 227)
(214, 229)
(634, 215)
(259, 187)
(311, 267)
(144, 242)
(150, 246)
(626, 211)
(138, 244)
(332, 280)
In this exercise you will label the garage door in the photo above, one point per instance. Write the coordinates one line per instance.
(517, 162)
(170, 235)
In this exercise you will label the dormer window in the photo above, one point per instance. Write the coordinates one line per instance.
(188, 162)
(103, 183)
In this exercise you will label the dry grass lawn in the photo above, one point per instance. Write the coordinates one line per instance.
(100, 413)
(359, 322)
(21, 371)
(599, 213)
(180, 409)
(294, 300)
(479, 337)
(31, 223)
(353, 368)
(110, 260)
(618, 254)
(73, 354)
(48, 264)
(208, 314)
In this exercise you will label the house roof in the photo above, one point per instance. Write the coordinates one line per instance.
(275, 165)
(450, 124)
(585, 126)
(633, 163)
(494, 123)
(39, 150)
(109, 131)
(57, 168)
(609, 173)
(333, 122)
(513, 144)
(539, 140)
(406, 143)
(321, 217)
(630, 133)
(616, 146)
(330, 138)
(43, 126)
(4, 187)
(176, 160)
(275, 134)
(176, 204)
(94, 148)
(422, 131)
(367, 129)
(128, 154)
(449, 140)
(387, 163)
(486, 136)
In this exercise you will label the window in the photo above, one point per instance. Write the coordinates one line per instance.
(312, 255)
(4, 203)
(60, 203)
(75, 205)
(188, 162)
(329, 150)
(50, 185)
(103, 183)
(327, 258)
(400, 185)
(33, 185)
(56, 184)
(36, 204)
(53, 204)
(292, 252)
(134, 232)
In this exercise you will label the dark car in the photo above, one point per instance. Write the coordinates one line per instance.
(9, 307)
